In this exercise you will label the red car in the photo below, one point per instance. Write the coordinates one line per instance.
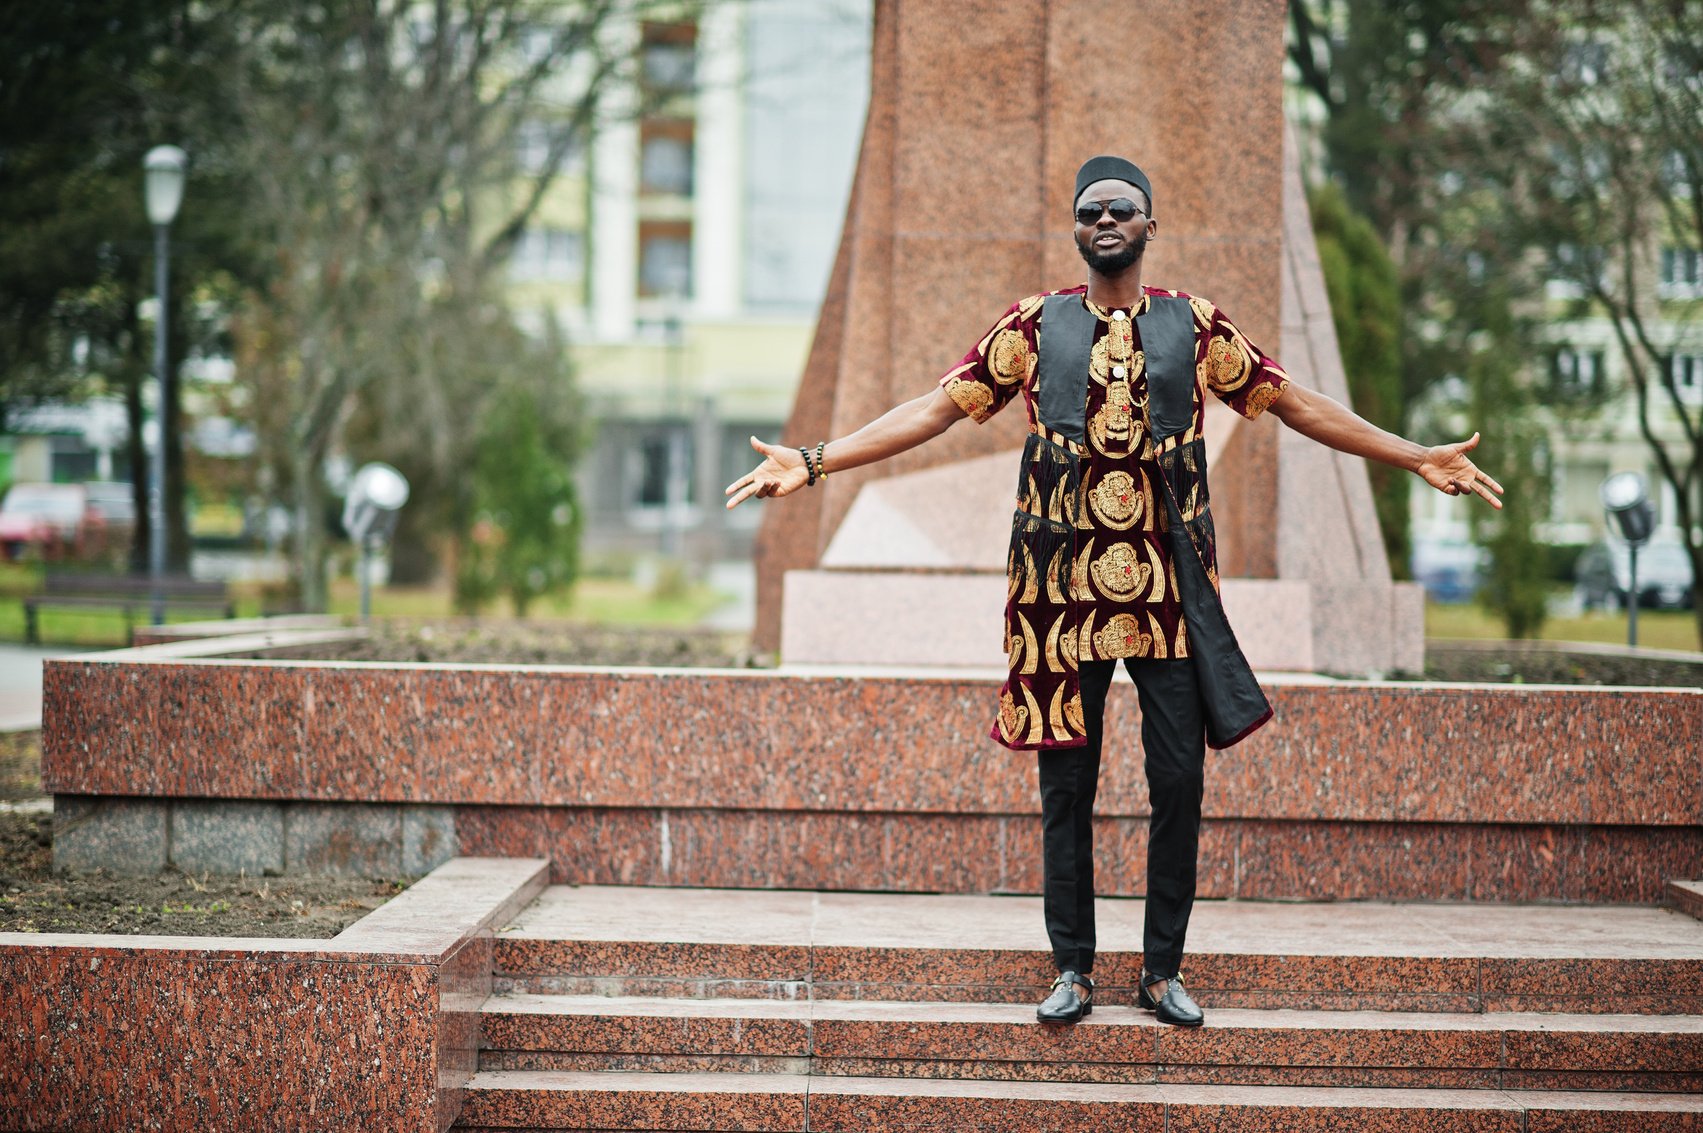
(46, 517)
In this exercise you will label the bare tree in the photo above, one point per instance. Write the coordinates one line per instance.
(1602, 133)
(382, 139)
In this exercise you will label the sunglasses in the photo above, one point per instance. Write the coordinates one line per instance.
(1122, 209)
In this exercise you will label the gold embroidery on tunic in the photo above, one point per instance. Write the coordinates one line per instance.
(1123, 637)
(1073, 714)
(1055, 663)
(1098, 367)
(1148, 504)
(1226, 367)
(1009, 357)
(1182, 649)
(1067, 646)
(1261, 398)
(1202, 311)
(1157, 562)
(1085, 638)
(1115, 502)
(1030, 305)
(1191, 505)
(1059, 506)
(1079, 574)
(1031, 583)
(1112, 428)
(1012, 717)
(1054, 594)
(1031, 652)
(1055, 715)
(1158, 637)
(1033, 714)
(1119, 574)
(973, 398)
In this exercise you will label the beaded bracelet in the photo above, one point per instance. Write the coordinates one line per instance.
(808, 467)
(821, 465)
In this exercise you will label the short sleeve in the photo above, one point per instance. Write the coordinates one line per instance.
(999, 366)
(1239, 373)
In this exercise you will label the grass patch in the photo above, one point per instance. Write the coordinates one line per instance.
(20, 765)
(1657, 629)
(592, 601)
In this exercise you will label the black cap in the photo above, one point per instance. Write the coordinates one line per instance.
(1107, 167)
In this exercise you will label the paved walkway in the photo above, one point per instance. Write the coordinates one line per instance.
(20, 685)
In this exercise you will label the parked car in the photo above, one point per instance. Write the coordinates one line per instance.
(113, 502)
(47, 518)
(1604, 576)
(1450, 571)
(109, 523)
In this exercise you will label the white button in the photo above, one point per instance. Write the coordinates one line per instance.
(1118, 371)
(1118, 316)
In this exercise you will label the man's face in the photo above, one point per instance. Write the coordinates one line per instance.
(1109, 245)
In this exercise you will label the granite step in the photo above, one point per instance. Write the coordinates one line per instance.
(1687, 897)
(1114, 1045)
(699, 943)
(609, 1101)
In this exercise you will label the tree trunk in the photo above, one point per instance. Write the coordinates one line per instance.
(310, 530)
(135, 373)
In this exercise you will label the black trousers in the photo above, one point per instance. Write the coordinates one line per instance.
(1173, 742)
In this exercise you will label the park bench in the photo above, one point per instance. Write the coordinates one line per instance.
(126, 593)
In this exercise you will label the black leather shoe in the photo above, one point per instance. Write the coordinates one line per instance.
(1174, 1007)
(1067, 1003)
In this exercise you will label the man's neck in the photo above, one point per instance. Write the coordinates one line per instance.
(1120, 290)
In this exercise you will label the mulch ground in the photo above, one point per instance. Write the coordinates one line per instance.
(35, 899)
(468, 641)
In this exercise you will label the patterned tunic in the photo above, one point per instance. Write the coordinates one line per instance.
(1122, 591)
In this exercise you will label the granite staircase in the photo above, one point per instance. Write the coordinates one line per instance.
(670, 1009)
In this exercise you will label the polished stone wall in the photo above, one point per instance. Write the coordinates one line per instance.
(377, 1028)
(859, 781)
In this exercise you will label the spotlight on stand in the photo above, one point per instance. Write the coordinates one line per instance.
(1627, 503)
(376, 495)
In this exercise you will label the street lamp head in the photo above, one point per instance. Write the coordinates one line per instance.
(376, 494)
(1628, 504)
(163, 169)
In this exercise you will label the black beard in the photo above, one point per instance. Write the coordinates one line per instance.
(1111, 263)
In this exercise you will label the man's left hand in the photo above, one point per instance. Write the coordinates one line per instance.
(1447, 469)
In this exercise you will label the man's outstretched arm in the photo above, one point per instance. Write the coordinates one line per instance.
(1444, 467)
(902, 427)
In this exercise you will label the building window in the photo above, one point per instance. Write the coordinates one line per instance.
(1571, 268)
(1687, 373)
(532, 142)
(1682, 273)
(1675, 175)
(665, 162)
(1577, 373)
(665, 259)
(549, 255)
(652, 480)
(668, 57)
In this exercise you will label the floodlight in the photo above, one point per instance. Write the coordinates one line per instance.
(1627, 502)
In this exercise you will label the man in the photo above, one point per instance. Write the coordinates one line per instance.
(1112, 553)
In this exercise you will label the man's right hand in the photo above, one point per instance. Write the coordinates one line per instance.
(781, 473)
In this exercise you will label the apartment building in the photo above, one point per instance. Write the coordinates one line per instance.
(685, 250)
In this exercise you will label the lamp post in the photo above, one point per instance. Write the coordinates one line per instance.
(163, 181)
(1627, 503)
(376, 494)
